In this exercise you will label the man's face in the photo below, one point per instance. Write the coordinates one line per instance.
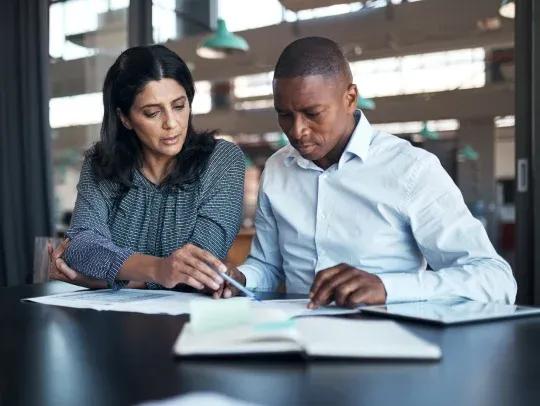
(315, 113)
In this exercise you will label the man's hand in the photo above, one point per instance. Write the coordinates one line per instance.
(227, 290)
(59, 270)
(348, 286)
(191, 266)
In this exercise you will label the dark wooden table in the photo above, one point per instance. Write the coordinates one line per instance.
(62, 356)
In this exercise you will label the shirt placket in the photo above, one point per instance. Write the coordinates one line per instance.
(321, 221)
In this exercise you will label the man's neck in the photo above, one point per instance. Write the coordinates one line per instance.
(335, 154)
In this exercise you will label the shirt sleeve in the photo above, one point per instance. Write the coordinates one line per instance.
(220, 212)
(454, 243)
(263, 268)
(91, 250)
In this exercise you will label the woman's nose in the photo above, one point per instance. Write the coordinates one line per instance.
(170, 122)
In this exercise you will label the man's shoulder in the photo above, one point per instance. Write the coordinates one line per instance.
(395, 149)
(279, 157)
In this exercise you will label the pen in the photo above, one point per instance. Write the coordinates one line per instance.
(237, 285)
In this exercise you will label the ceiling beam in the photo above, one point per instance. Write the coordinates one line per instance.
(411, 28)
(489, 101)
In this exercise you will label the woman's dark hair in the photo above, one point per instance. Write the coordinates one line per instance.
(119, 150)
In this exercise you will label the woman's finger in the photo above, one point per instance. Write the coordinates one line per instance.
(208, 258)
(203, 268)
(61, 248)
(65, 269)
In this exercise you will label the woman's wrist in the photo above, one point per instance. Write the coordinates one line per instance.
(140, 268)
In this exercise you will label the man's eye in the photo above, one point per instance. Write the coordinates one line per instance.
(312, 114)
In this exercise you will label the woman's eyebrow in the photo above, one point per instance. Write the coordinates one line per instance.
(181, 98)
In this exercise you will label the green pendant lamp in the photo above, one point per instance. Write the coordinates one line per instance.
(364, 103)
(222, 43)
(428, 134)
(468, 153)
(508, 8)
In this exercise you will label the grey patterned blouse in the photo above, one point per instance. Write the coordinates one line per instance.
(155, 220)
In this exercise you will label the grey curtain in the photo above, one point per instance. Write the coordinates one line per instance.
(25, 169)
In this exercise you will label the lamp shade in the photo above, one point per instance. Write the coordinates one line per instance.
(468, 153)
(222, 43)
(364, 103)
(426, 133)
(508, 8)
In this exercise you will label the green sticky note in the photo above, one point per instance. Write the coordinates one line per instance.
(208, 315)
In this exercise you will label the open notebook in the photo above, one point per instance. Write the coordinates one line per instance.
(314, 337)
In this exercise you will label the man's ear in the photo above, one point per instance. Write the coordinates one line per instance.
(125, 121)
(351, 97)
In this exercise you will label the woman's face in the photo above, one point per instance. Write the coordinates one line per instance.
(159, 117)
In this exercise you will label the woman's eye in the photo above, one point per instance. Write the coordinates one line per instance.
(151, 114)
(179, 107)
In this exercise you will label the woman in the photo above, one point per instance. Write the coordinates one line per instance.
(158, 204)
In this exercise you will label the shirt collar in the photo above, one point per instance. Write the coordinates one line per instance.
(360, 140)
(358, 144)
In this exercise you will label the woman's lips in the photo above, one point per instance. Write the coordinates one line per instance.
(170, 140)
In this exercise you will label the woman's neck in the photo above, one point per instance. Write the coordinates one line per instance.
(155, 168)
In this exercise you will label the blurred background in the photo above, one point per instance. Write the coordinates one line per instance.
(439, 73)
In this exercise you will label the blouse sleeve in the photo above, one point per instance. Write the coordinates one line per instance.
(91, 250)
(220, 211)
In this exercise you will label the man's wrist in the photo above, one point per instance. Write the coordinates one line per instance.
(239, 276)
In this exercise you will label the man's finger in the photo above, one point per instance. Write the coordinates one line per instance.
(358, 297)
(323, 276)
(328, 289)
(219, 293)
(347, 288)
(327, 293)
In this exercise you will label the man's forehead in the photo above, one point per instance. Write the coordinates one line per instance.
(305, 91)
(308, 82)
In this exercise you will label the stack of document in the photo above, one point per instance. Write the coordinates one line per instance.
(242, 327)
(312, 337)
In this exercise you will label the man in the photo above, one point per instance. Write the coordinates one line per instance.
(351, 214)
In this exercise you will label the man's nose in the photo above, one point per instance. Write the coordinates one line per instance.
(298, 128)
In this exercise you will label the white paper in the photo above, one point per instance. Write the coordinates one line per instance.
(126, 300)
(198, 399)
(332, 337)
(298, 308)
(171, 302)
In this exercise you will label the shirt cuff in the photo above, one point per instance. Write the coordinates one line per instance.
(118, 260)
(252, 276)
(402, 287)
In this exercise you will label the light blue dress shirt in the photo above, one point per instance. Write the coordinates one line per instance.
(387, 208)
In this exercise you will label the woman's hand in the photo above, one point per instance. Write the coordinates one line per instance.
(59, 270)
(192, 266)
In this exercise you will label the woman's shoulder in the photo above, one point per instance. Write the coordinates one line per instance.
(90, 177)
(224, 155)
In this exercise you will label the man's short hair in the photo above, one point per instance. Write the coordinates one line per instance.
(312, 56)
